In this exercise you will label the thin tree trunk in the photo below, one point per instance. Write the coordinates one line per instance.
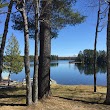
(9, 78)
(95, 43)
(1, 76)
(107, 101)
(4, 36)
(26, 58)
(35, 76)
(45, 52)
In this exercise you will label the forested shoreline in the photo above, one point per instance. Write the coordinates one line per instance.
(87, 57)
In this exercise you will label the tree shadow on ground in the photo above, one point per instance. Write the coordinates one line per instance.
(5, 104)
(83, 94)
(84, 101)
(12, 96)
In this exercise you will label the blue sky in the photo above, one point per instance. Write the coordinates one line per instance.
(71, 39)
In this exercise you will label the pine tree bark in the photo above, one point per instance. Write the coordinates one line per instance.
(35, 76)
(107, 101)
(4, 36)
(45, 52)
(26, 58)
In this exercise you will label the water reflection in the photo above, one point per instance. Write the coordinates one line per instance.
(54, 64)
(89, 70)
(69, 74)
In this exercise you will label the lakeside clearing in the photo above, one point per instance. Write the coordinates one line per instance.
(64, 97)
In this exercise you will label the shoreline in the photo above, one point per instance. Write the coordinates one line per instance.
(52, 82)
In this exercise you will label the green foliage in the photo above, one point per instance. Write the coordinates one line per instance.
(102, 57)
(54, 57)
(13, 59)
(62, 14)
(87, 57)
(3, 4)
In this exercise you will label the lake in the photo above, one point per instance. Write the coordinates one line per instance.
(70, 74)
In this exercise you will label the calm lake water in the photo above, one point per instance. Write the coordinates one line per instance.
(70, 74)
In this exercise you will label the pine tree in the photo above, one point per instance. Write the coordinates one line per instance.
(13, 60)
(60, 15)
(21, 7)
(3, 41)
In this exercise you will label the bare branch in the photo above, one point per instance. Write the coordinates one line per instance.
(104, 10)
(102, 26)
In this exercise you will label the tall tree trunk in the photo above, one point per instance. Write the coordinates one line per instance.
(4, 36)
(35, 76)
(45, 52)
(26, 58)
(107, 101)
(95, 43)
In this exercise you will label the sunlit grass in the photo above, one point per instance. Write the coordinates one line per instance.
(77, 97)
(80, 93)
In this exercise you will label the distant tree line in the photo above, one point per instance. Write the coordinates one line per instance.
(86, 57)
(66, 58)
(54, 57)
